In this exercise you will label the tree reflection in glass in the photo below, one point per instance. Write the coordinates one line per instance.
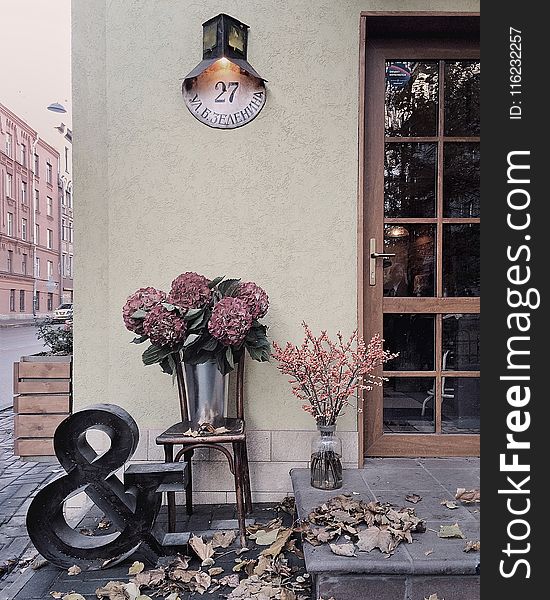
(462, 78)
(461, 180)
(411, 98)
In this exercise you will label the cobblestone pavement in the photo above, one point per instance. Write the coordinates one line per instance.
(19, 481)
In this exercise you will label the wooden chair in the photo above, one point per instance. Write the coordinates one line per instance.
(236, 453)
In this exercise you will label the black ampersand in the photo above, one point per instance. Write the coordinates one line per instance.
(132, 507)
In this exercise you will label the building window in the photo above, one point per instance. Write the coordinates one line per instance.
(10, 261)
(12, 300)
(24, 229)
(71, 232)
(37, 267)
(64, 229)
(37, 165)
(23, 192)
(23, 156)
(37, 301)
(49, 239)
(37, 234)
(50, 270)
(10, 224)
(50, 302)
(37, 200)
(49, 173)
(24, 264)
(70, 266)
(9, 144)
(9, 185)
(49, 206)
(69, 199)
(66, 159)
(22, 300)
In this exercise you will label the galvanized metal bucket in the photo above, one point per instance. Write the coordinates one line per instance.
(207, 392)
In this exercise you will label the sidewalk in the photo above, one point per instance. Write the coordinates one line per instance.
(26, 322)
(19, 481)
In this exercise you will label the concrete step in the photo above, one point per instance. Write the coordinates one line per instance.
(430, 565)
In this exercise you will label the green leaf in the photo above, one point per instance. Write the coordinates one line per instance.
(215, 282)
(139, 314)
(191, 339)
(166, 364)
(192, 313)
(168, 306)
(140, 339)
(154, 354)
(196, 323)
(228, 286)
(210, 344)
(229, 357)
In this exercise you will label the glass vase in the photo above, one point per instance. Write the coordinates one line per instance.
(326, 459)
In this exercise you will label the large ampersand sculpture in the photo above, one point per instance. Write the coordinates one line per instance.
(131, 507)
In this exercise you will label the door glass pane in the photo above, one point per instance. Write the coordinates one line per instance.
(461, 180)
(409, 405)
(411, 98)
(410, 179)
(461, 260)
(412, 335)
(460, 342)
(460, 405)
(462, 98)
(411, 271)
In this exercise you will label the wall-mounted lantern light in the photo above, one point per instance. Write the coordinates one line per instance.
(224, 90)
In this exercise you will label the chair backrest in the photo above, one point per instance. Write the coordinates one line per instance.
(239, 394)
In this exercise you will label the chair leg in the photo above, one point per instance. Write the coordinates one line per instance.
(241, 517)
(189, 488)
(247, 490)
(170, 496)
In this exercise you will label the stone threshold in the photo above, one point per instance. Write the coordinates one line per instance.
(430, 562)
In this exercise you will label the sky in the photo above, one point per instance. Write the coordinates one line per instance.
(35, 46)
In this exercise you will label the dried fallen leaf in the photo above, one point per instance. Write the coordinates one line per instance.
(203, 581)
(184, 576)
(131, 591)
(343, 549)
(472, 546)
(287, 594)
(143, 597)
(203, 550)
(434, 597)
(86, 531)
(414, 498)
(467, 496)
(172, 596)
(74, 570)
(215, 571)
(71, 596)
(137, 567)
(277, 547)
(428, 552)
(104, 524)
(246, 565)
(150, 578)
(56, 595)
(231, 581)
(114, 590)
(264, 564)
(449, 504)
(265, 538)
(223, 539)
(450, 531)
(375, 537)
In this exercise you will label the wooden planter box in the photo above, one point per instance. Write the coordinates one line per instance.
(42, 387)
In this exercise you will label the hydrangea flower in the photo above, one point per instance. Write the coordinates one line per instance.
(190, 290)
(164, 327)
(255, 297)
(230, 321)
(142, 299)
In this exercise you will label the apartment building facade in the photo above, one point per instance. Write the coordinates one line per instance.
(30, 221)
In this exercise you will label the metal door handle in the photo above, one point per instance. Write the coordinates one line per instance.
(372, 260)
(382, 255)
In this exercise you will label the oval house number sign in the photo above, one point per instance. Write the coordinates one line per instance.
(224, 90)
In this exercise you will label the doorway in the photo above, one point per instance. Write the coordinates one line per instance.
(420, 284)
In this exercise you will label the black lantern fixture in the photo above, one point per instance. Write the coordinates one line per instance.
(224, 38)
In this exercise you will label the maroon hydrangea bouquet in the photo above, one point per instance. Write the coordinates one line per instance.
(199, 320)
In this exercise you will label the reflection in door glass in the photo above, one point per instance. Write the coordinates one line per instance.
(461, 260)
(460, 344)
(460, 405)
(411, 98)
(411, 271)
(461, 180)
(462, 98)
(410, 179)
(412, 335)
(409, 405)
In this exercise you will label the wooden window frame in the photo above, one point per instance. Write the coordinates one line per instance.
(391, 30)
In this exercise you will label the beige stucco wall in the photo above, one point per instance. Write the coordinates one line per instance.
(158, 193)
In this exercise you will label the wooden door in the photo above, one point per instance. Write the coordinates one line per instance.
(421, 207)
